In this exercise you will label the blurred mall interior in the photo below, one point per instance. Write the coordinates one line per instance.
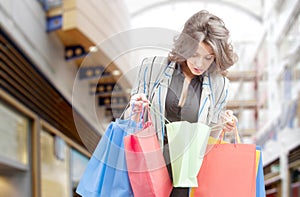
(67, 67)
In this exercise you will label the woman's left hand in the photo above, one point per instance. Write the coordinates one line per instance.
(231, 121)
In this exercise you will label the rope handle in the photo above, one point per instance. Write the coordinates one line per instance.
(237, 139)
(212, 128)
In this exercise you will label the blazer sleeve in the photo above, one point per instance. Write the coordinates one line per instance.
(142, 82)
(222, 92)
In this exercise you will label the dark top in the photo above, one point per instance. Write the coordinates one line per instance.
(189, 111)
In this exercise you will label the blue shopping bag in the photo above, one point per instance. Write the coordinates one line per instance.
(106, 173)
(260, 184)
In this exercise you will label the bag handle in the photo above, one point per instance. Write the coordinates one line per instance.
(159, 113)
(126, 107)
(142, 115)
(212, 127)
(131, 114)
(237, 139)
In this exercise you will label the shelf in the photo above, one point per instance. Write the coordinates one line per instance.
(247, 132)
(7, 164)
(245, 104)
(272, 178)
(242, 75)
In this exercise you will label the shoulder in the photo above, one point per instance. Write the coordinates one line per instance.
(219, 85)
(218, 79)
(155, 65)
(155, 60)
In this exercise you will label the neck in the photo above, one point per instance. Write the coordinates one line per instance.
(186, 71)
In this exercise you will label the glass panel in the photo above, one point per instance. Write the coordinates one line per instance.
(295, 182)
(291, 41)
(14, 129)
(262, 91)
(78, 165)
(55, 167)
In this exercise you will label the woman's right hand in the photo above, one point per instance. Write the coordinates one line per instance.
(138, 101)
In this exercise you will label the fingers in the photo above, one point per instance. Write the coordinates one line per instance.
(141, 98)
(230, 117)
(229, 112)
(228, 127)
(138, 101)
(231, 121)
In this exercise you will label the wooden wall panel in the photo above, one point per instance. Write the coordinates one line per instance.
(21, 79)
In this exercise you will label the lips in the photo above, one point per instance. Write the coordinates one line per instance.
(197, 70)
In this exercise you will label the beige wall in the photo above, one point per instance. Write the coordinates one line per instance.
(25, 22)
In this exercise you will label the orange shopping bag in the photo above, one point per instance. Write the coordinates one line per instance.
(228, 170)
(146, 166)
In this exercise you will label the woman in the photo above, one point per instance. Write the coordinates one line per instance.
(189, 84)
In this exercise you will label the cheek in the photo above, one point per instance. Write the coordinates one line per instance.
(193, 61)
(207, 64)
(200, 63)
(191, 64)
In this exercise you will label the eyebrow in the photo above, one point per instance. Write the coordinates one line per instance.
(206, 54)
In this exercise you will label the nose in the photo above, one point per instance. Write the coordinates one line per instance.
(199, 62)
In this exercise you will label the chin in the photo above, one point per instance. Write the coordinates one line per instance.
(197, 73)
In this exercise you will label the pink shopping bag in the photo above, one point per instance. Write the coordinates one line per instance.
(146, 166)
(228, 170)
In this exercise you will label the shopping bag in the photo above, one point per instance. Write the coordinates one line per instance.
(257, 157)
(187, 145)
(147, 170)
(228, 170)
(260, 184)
(106, 173)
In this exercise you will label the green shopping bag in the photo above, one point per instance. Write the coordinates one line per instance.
(187, 145)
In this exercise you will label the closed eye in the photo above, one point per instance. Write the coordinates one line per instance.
(209, 57)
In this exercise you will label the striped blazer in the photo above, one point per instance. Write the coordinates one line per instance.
(154, 78)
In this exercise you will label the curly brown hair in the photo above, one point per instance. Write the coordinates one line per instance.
(204, 27)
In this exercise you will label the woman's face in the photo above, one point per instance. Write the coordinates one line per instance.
(201, 60)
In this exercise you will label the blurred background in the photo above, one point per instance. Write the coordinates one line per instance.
(67, 67)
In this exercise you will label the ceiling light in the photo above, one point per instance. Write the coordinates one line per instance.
(93, 49)
(116, 73)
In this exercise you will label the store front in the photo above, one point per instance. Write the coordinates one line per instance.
(41, 151)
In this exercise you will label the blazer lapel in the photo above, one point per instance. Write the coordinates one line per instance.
(205, 100)
(165, 83)
(159, 98)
